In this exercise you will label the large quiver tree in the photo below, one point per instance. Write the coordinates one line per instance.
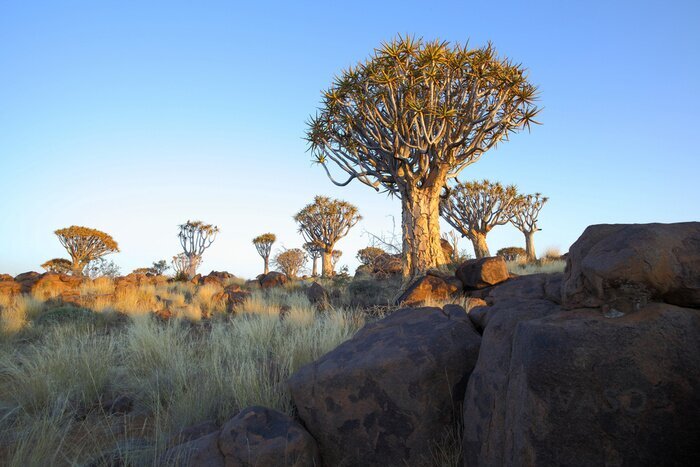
(263, 244)
(195, 237)
(323, 223)
(527, 210)
(84, 244)
(474, 208)
(413, 116)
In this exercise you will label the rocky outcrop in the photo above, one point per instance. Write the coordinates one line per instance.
(51, 286)
(135, 280)
(428, 288)
(625, 266)
(233, 296)
(578, 388)
(483, 272)
(318, 296)
(272, 279)
(257, 436)
(220, 278)
(388, 394)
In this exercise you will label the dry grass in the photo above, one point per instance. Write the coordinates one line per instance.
(57, 366)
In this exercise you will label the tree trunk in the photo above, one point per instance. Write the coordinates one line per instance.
(266, 259)
(420, 219)
(77, 268)
(530, 246)
(314, 268)
(481, 249)
(192, 265)
(326, 263)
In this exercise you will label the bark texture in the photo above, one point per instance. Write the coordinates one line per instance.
(327, 263)
(530, 246)
(481, 249)
(422, 249)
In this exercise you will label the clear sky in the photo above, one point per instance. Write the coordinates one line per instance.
(134, 116)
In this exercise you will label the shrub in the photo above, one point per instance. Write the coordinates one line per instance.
(512, 253)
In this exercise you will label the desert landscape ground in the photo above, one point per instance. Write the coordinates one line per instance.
(536, 313)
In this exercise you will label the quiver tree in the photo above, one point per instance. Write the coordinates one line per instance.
(159, 267)
(324, 222)
(58, 266)
(474, 208)
(291, 261)
(182, 264)
(84, 245)
(314, 252)
(263, 244)
(413, 116)
(195, 237)
(524, 218)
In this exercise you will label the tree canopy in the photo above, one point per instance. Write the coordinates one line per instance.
(84, 244)
(58, 265)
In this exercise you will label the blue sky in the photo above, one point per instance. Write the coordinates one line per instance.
(134, 116)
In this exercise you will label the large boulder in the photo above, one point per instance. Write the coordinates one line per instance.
(220, 278)
(386, 265)
(9, 286)
(428, 288)
(272, 279)
(486, 397)
(136, 280)
(51, 285)
(584, 389)
(259, 436)
(482, 272)
(386, 396)
(624, 266)
(318, 295)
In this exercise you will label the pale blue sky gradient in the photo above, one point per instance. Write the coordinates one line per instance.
(134, 116)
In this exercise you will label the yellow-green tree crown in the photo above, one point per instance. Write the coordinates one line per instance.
(326, 220)
(417, 111)
(478, 206)
(58, 265)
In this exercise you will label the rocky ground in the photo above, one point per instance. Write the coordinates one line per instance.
(598, 365)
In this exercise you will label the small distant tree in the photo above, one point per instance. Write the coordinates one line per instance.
(102, 267)
(181, 266)
(160, 267)
(412, 117)
(314, 252)
(335, 257)
(263, 244)
(85, 245)
(195, 237)
(291, 261)
(368, 255)
(58, 266)
(524, 218)
(474, 208)
(512, 253)
(324, 222)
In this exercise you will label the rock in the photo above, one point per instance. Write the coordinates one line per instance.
(427, 288)
(259, 436)
(627, 265)
(447, 250)
(196, 279)
(200, 452)
(486, 396)
(386, 265)
(234, 296)
(272, 279)
(6, 277)
(317, 295)
(483, 272)
(589, 390)
(220, 278)
(51, 285)
(136, 280)
(385, 396)
(10, 287)
(27, 276)
(193, 432)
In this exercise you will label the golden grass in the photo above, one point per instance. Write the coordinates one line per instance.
(54, 374)
(541, 266)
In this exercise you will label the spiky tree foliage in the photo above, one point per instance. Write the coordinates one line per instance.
(414, 115)
(291, 261)
(263, 245)
(527, 210)
(366, 256)
(58, 266)
(314, 252)
(84, 244)
(195, 237)
(474, 208)
(324, 222)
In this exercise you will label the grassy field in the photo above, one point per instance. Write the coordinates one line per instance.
(62, 366)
